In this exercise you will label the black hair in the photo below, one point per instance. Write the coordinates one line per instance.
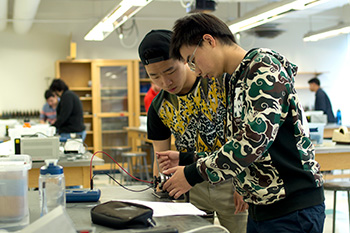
(190, 29)
(48, 94)
(315, 80)
(58, 85)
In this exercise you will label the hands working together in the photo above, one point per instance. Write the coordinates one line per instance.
(178, 185)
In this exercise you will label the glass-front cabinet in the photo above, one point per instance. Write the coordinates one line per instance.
(113, 85)
(109, 91)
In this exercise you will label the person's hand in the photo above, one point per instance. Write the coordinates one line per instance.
(177, 184)
(168, 159)
(240, 205)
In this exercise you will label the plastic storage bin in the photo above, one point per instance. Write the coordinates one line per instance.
(316, 132)
(14, 213)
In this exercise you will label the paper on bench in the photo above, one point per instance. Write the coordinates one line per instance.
(169, 208)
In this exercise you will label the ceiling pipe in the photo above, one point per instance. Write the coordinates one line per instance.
(3, 14)
(24, 12)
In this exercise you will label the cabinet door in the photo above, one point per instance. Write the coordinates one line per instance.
(113, 135)
(113, 82)
(114, 89)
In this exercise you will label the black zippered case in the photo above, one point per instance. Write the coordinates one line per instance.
(122, 215)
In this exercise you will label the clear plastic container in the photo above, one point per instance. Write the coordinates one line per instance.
(316, 132)
(14, 211)
(52, 190)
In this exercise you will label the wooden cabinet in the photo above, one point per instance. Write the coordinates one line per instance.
(109, 91)
(78, 77)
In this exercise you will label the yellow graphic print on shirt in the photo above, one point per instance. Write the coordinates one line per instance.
(198, 119)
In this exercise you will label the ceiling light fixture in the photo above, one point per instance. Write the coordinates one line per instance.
(270, 12)
(327, 33)
(114, 19)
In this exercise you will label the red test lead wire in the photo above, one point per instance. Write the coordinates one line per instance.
(91, 182)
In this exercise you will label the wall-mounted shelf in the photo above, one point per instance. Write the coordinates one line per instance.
(113, 131)
(301, 87)
(114, 88)
(113, 98)
(310, 73)
(85, 98)
(302, 78)
(80, 89)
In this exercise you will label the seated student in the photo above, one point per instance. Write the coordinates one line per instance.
(70, 119)
(322, 101)
(48, 112)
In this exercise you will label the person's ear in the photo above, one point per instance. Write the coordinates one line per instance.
(210, 39)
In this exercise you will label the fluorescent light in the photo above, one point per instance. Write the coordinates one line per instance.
(270, 12)
(327, 33)
(115, 18)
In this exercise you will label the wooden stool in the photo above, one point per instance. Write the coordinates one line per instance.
(338, 186)
(140, 157)
(117, 151)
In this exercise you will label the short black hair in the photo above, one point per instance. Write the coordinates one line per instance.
(48, 94)
(190, 29)
(315, 80)
(58, 85)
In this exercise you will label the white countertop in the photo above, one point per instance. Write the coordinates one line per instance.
(331, 147)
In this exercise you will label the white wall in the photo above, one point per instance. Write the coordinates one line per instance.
(330, 56)
(26, 60)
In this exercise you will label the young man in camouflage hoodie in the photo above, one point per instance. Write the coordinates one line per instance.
(267, 153)
(193, 110)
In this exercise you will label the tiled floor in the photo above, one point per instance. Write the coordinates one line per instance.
(342, 215)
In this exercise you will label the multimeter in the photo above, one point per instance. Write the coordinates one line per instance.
(82, 195)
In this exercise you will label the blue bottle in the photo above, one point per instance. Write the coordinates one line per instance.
(339, 117)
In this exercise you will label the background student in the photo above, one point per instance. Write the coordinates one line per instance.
(70, 119)
(48, 112)
(268, 153)
(322, 101)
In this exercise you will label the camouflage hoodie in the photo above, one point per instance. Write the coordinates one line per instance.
(267, 153)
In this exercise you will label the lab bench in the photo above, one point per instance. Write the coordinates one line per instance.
(76, 172)
(80, 212)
